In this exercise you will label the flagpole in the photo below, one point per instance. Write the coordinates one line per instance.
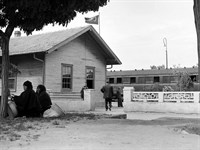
(99, 23)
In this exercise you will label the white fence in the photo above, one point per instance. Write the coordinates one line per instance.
(176, 102)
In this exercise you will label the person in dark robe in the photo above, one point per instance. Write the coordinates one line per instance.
(44, 98)
(27, 102)
(119, 97)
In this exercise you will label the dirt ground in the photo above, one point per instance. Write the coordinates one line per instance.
(99, 132)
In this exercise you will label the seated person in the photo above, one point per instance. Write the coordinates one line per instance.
(27, 103)
(44, 98)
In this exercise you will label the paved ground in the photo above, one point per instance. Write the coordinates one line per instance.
(142, 115)
(145, 131)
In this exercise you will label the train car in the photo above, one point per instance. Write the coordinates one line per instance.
(143, 80)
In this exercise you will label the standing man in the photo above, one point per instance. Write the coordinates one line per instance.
(107, 91)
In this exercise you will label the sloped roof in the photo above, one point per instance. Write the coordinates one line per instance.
(152, 72)
(49, 42)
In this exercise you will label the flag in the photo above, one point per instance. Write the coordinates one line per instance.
(92, 20)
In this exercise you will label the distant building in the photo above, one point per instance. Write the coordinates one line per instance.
(64, 61)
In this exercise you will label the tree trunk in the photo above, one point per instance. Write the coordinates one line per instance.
(5, 73)
(196, 9)
(4, 43)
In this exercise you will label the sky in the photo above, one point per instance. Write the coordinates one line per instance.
(135, 29)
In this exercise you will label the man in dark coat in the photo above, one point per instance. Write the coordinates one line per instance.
(107, 91)
(27, 103)
(44, 98)
(119, 97)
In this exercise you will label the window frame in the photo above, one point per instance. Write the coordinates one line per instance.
(111, 79)
(156, 79)
(15, 83)
(71, 81)
(131, 79)
(119, 78)
(149, 80)
(93, 79)
(126, 80)
(166, 79)
(141, 80)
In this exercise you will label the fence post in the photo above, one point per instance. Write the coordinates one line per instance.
(196, 97)
(127, 93)
(89, 98)
(160, 97)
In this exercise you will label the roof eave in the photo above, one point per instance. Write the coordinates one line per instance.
(68, 40)
(113, 59)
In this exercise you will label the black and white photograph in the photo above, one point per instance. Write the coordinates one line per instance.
(99, 74)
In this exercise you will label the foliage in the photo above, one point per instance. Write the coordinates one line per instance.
(30, 15)
(177, 66)
(167, 89)
(155, 87)
(12, 69)
(184, 81)
(157, 67)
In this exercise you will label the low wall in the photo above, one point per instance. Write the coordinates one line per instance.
(167, 102)
(75, 104)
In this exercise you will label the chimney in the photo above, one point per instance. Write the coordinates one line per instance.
(17, 34)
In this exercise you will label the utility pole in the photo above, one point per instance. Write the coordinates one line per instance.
(165, 45)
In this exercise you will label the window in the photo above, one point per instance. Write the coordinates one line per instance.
(12, 83)
(141, 80)
(133, 80)
(149, 80)
(111, 80)
(174, 79)
(119, 80)
(166, 79)
(90, 77)
(66, 76)
(193, 78)
(156, 79)
(126, 80)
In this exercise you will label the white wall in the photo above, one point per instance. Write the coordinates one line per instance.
(167, 102)
(76, 104)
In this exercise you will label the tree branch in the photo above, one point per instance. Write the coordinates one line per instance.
(1, 33)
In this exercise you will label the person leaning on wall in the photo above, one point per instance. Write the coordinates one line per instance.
(82, 91)
(119, 97)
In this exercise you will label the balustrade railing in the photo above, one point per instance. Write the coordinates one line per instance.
(166, 97)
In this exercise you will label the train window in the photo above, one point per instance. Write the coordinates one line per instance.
(126, 80)
(149, 80)
(174, 79)
(141, 80)
(133, 80)
(166, 79)
(193, 78)
(119, 80)
(111, 80)
(156, 79)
